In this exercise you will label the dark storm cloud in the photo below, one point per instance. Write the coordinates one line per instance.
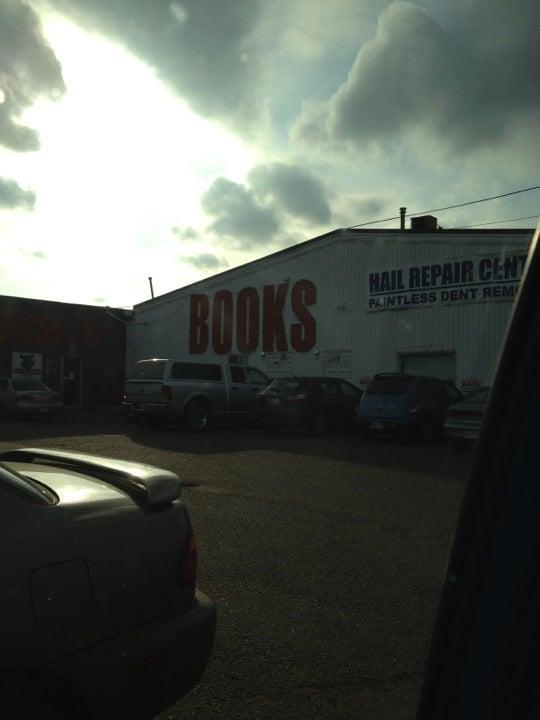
(469, 82)
(202, 48)
(28, 69)
(206, 261)
(238, 215)
(294, 189)
(13, 197)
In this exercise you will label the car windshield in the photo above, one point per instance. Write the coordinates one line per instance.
(196, 196)
(389, 386)
(286, 385)
(28, 385)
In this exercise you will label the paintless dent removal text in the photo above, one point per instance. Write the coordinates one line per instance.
(217, 326)
(477, 279)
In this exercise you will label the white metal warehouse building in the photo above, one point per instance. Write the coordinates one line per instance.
(350, 303)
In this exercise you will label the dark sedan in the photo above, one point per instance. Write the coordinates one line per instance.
(464, 420)
(315, 403)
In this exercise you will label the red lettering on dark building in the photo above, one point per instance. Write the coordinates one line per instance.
(247, 320)
(198, 325)
(303, 293)
(273, 326)
(222, 322)
(7, 328)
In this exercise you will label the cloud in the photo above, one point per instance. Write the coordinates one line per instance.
(28, 69)
(13, 197)
(187, 234)
(238, 215)
(35, 254)
(467, 84)
(206, 261)
(293, 189)
(274, 196)
(203, 49)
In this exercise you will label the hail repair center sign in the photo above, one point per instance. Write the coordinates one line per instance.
(474, 279)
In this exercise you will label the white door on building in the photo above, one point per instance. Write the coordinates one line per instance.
(439, 365)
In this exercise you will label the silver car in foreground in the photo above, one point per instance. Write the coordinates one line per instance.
(100, 614)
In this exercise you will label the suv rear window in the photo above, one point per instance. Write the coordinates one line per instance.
(196, 371)
(148, 370)
(389, 386)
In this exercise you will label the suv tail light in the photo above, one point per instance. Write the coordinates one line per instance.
(166, 392)
(188, 571)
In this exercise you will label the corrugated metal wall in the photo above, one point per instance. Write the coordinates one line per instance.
(350, 340)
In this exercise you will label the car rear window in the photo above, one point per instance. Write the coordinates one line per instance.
(389, 386)
(196, 371)
(28, 385)
(148, 370)
(288, 386)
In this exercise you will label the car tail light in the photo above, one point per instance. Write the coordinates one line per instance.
(301, 398)
(188, 571)
(166, 392)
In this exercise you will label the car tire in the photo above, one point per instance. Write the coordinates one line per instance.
(319, 424)
(460, 444)
(198, 415)
(427, 431)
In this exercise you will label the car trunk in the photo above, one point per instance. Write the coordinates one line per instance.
(36, 398)
(133, 549)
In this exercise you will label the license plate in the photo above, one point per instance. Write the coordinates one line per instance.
(274, 402)
(470, 435)
(376, 425)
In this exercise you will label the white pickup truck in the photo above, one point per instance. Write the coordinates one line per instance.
(162, 391)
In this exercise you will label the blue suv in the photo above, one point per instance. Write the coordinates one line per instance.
(402, 404)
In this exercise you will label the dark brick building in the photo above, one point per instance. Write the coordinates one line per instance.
(78, 350)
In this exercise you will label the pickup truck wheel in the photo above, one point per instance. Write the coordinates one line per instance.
(198, 415)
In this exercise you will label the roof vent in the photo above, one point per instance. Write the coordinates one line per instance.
(423, 223)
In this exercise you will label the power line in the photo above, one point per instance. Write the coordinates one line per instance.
(449, 207)
(494, 222)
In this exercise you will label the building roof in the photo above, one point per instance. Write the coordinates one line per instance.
(337, 232)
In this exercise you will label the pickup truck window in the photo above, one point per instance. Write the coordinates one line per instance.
(148, 370)
(196, 371)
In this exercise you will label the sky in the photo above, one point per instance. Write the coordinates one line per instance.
(176, 139)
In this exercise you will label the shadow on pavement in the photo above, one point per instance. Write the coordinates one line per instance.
(436, 460)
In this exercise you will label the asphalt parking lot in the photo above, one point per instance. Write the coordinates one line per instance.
(325, 557)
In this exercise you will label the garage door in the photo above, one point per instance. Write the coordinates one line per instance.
(439, 365)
